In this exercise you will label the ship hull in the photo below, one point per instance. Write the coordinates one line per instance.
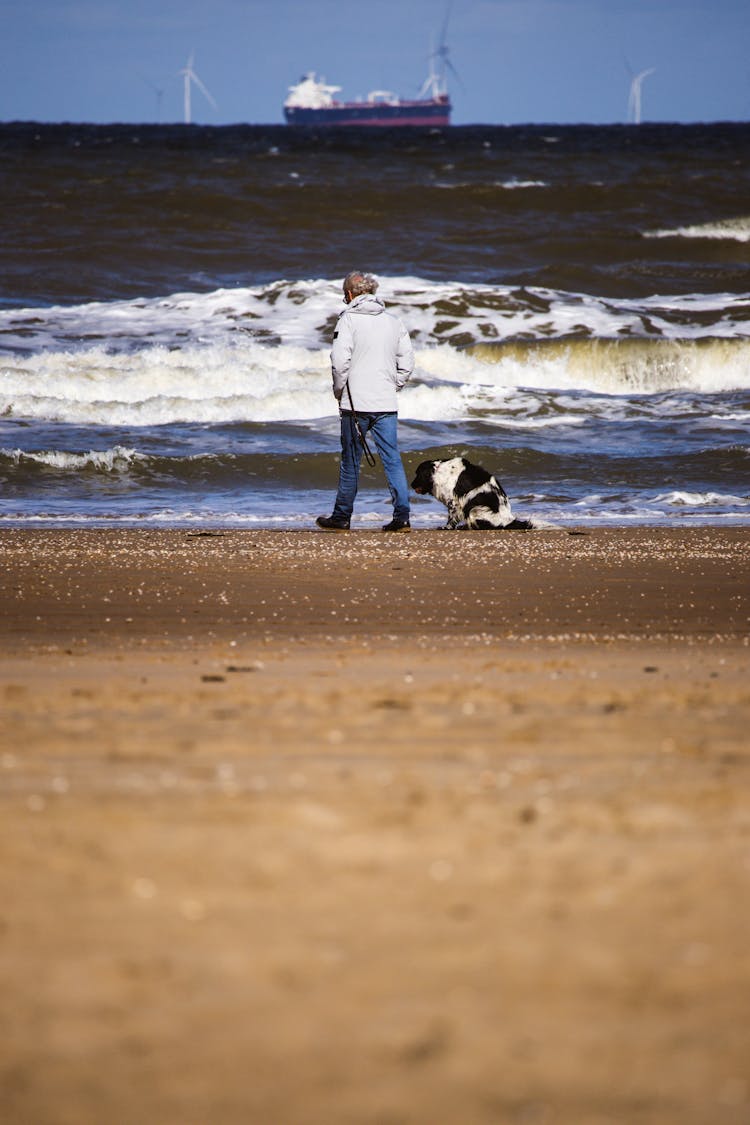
(435, 112)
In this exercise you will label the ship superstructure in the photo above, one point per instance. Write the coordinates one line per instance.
(312, 101)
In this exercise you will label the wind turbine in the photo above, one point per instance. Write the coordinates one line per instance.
(189, 76)
(634, 100)
(440, 63)
(158, 90)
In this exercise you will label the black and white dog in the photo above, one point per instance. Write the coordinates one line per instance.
(474, 498)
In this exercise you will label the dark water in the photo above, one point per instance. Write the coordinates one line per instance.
(579, 298)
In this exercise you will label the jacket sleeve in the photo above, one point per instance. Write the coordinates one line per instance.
(341, 355)
(404, 358)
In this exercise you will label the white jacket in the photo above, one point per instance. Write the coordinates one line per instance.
(372, 351)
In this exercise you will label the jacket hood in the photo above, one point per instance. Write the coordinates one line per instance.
(366, 303)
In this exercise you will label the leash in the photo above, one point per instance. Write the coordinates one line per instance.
(369, 458)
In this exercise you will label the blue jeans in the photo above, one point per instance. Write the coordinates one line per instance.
(382, 428)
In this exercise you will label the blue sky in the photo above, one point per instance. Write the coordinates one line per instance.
(520, 61)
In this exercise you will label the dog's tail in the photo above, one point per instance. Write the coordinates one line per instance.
(539, 525)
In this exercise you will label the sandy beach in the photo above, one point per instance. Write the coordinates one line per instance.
(308, 829)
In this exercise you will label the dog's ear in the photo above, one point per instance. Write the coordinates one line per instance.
(424, 477)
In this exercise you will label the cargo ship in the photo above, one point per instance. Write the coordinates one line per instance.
(313, 102)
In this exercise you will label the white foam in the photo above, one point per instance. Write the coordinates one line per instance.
(108, 460)
(735, 230)
(504, 185)
(289, 310)
(302, 313)
(251, 382)
(154, 386)
(290, 514)
(702, 499)
(514, 185)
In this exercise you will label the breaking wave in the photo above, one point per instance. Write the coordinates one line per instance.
(625, 366)
(262, 354)
(104, 461)
(303, 313)
(702, 499)
(737, 230)
(255, 383)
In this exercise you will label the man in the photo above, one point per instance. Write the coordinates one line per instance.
(371, 359)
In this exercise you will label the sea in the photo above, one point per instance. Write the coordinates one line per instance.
(578, 298)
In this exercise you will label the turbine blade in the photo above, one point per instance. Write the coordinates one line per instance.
(455, 73)
(203, 89)
(444, 31)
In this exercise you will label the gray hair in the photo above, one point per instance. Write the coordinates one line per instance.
(356, 282)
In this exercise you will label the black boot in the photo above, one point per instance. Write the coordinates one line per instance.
(328, 523)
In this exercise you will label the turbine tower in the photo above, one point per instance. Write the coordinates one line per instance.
(634, 100)
(189, 76)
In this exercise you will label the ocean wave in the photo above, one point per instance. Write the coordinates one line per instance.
(702, 499)
(516, 185)
(505, 185)
(531, 384)
(623, 366)
(262, 355)
(282, 311)
(303, 314)
(302, 470)
(112, 460)
(157, 386)
(737, 230)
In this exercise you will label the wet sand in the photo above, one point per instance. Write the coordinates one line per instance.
(308, 829)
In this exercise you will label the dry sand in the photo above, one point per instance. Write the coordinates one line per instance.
(307, 829)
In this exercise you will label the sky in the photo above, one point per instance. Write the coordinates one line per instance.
(518, 61)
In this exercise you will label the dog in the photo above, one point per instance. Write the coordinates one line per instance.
(475, 499)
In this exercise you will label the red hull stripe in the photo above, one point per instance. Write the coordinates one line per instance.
(390, 121)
